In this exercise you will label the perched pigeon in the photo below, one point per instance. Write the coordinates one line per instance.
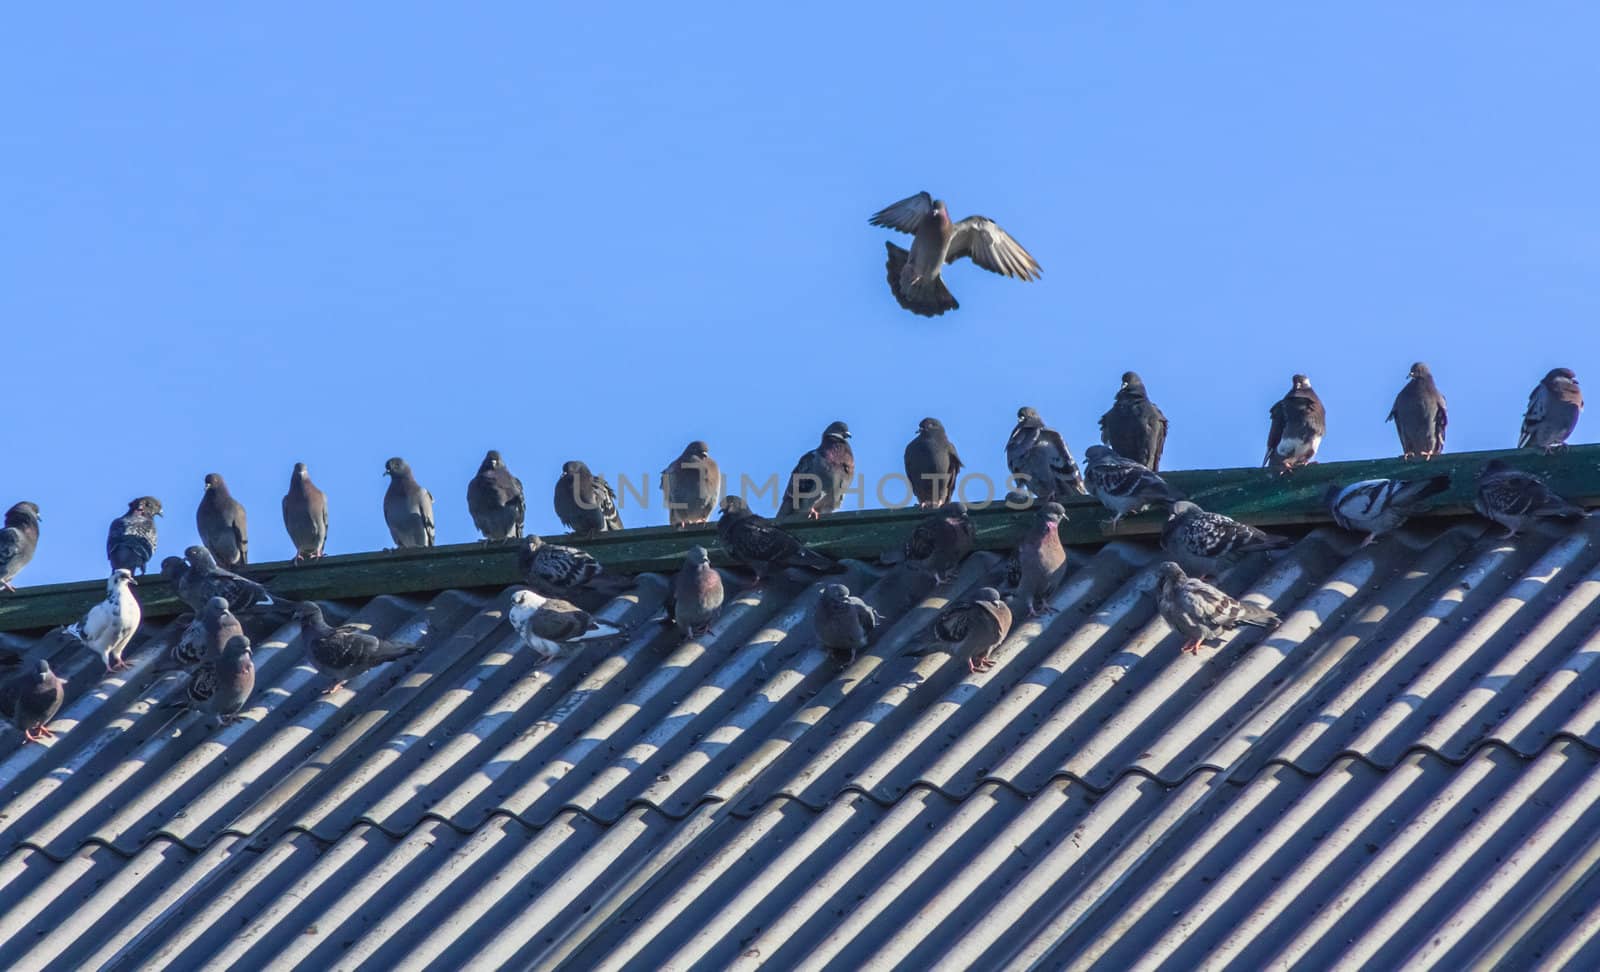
(1039, 459)
(972, 628)
(305, 515)
(1377, 506)
(1123, 486)
(586, 503)
(1511, 497)
(1553, 411)
(1042, 559)
(1419, 415)
(407, 507)
(204, 637)
(1298, 425)
(221, 522)
(844, 623)
(494, 498)
(696, 594)
(1199, 611)
(551, 626)
(221, 685)
(131, 541)
(1134, 428)
(346, 651)
(555, 570)
(942, 539)
(1205, 542)
(690, 485)
(110, 624)
(763, 545)
(201, 579)
(932, 465)
(822, 476)
(31, 699)
(18, 540)
(915, 277)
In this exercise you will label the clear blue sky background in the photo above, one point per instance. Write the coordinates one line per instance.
(337, 233)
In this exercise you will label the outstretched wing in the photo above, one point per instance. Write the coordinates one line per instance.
(991, 248)
(905, 215)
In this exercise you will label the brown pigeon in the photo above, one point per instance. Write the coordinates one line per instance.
(822, 476)
(305, 515)
(1553, 411)
(690, 485)
(1511, 497)
(915, 278)
(221, 521)
(1298, 424)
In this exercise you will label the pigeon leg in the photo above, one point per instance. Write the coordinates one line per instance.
(1191, 647)
(1370, 537)
(28, 736)
(336, 686)
(43, 732)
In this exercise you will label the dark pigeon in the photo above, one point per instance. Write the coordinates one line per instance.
(586, 503)
(1204, 543)
(18, 541)
(1298, 425)
(1200, 612)
(942, 539)
(495, 500)
(221, 522)
(843, 623)
(1123, 486)
(202, 638)
(221, 685)
(1377, 506)
(201, 579)
(553, 627)
(1553, 410)
(305, 515)
(31, 699)
(697, 594)
(1511, 497)
(690, 485)
(346, 651)
(407, 507)
(131, 541)
(1040, 461)
(932, 465)
(1042, 559)
(763, 545)
(1135, 428)
(822, 476)
(972, 629)
(1419, 415)
(916, 278)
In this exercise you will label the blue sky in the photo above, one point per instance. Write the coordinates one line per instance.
(335, 234)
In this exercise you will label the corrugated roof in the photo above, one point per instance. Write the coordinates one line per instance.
(1404, 772)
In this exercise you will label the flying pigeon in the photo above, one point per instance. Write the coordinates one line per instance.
(915, 277)
(494, 498)
(18, 540)
(1039, 459)
(1298, 425)
(1205, 542)
(932, 465)
(942, 539)
(346, 651)
(1042, 559)
(822, 476)
(1419, 415)
(131, 541)
(586, 503)
(1511, 497)
(221, 522)
(1199, 611)
(305, 515)
(763, 545)
(1553, 411)
(1135, 428)
(31, 699)
(221, 685)
(110, 624)
(201, 579)
(407, 507)
(202, 638)
(696, 594)
(551, 626)
(690, 485)
(972, 628)
(1123, 486)
(1378, 506)
(844, 623)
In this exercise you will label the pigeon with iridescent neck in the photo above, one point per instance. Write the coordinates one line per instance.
(407, 507)
(1042, 559)
(1553, 410)
(31, 699)
(971, 629)
(822, 476)
(222, 524)
(843, 622)
(305, 515)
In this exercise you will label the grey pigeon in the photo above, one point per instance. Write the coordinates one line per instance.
(111, 623)
(221, 685)
(1123, 486)
(221, 521)
(552, 626)
(203, 638)
(305, 515)
(495, 500)
(346, 651)
(1039, 459)
(844, 623)
(1134, 427)
(1298, 425)
(201, 579)
(697, 594)
(131, 541)
(822, 476)
(972, 628)
(763, 545)
(932, 465)
(407, 507)
(1511, 497)
(915, 277)
(18, 540)
(586, 503)
(1377, 506)
(1553, 410)
(555, 570)
(1419, 415)
(1042, 559)
(1200, 612)
(690, 485)
(942, 539)
(1205, 543)
(31, 699)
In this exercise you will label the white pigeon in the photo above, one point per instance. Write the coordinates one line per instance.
(109, 625)
(1377, 506)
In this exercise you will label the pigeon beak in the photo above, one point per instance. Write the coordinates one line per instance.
(132, 582)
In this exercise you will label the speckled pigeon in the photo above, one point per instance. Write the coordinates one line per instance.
(972, 629)
(1419, 415)
(1377, 506)
(586, 503)
(495, 500)
(202, 638)
(18, 540)
(822, 476)
(697, 594)
(1134, 427)
(1039, 459)
(221, 685)
(843, 623)
(305, 515)
(932, 465)
(111, 623)
(942, 539)
(407, 507)
(221, 521)
(1553, 410)
(763, 545)
(1042, 559)
(1298, 425)
(1122, 485)
(131, 540)
(346, 651)
(201, 579)
(1511, 497)
(31, 699)
(556, 570)
(690, 485)
(1205, 543)
(915, 277)
(552, 626)
(1200, 612)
